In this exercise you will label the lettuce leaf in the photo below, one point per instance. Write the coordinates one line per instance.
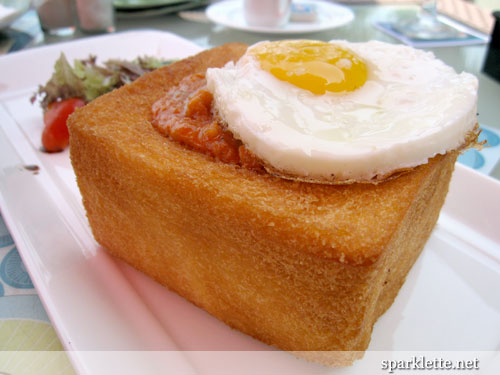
(87, 80)
(96, 81)
(63, 84)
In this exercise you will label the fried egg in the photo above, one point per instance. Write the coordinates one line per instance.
(343, 111)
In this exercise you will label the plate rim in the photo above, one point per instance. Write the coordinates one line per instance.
(123, 5)
(213, 13)
(72, 223)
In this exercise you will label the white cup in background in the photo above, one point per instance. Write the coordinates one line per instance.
(267, 13)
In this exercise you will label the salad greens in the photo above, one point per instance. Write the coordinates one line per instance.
(87, 80)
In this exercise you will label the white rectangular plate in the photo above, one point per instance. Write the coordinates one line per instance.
(101, 307)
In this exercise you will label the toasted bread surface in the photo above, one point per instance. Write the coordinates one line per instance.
(304, 267)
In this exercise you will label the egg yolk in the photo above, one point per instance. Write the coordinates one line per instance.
(312, 65)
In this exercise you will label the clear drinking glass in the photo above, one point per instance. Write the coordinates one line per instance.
(57, 17)
(426, 25)
(96, 16)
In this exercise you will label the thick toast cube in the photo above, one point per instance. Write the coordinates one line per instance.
(304, 267)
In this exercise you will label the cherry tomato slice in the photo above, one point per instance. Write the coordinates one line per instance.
(55, 136)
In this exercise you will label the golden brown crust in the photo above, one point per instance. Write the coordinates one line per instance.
(304, 267)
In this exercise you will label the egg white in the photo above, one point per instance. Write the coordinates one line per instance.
(411, 108)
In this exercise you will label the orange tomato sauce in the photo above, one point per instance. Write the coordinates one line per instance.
(185, 115)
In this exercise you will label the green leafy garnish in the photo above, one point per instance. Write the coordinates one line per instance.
(87, 80)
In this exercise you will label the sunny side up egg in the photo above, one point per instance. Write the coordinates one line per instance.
(343, 111)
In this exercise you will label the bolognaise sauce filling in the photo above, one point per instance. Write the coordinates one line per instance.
(185, 115)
